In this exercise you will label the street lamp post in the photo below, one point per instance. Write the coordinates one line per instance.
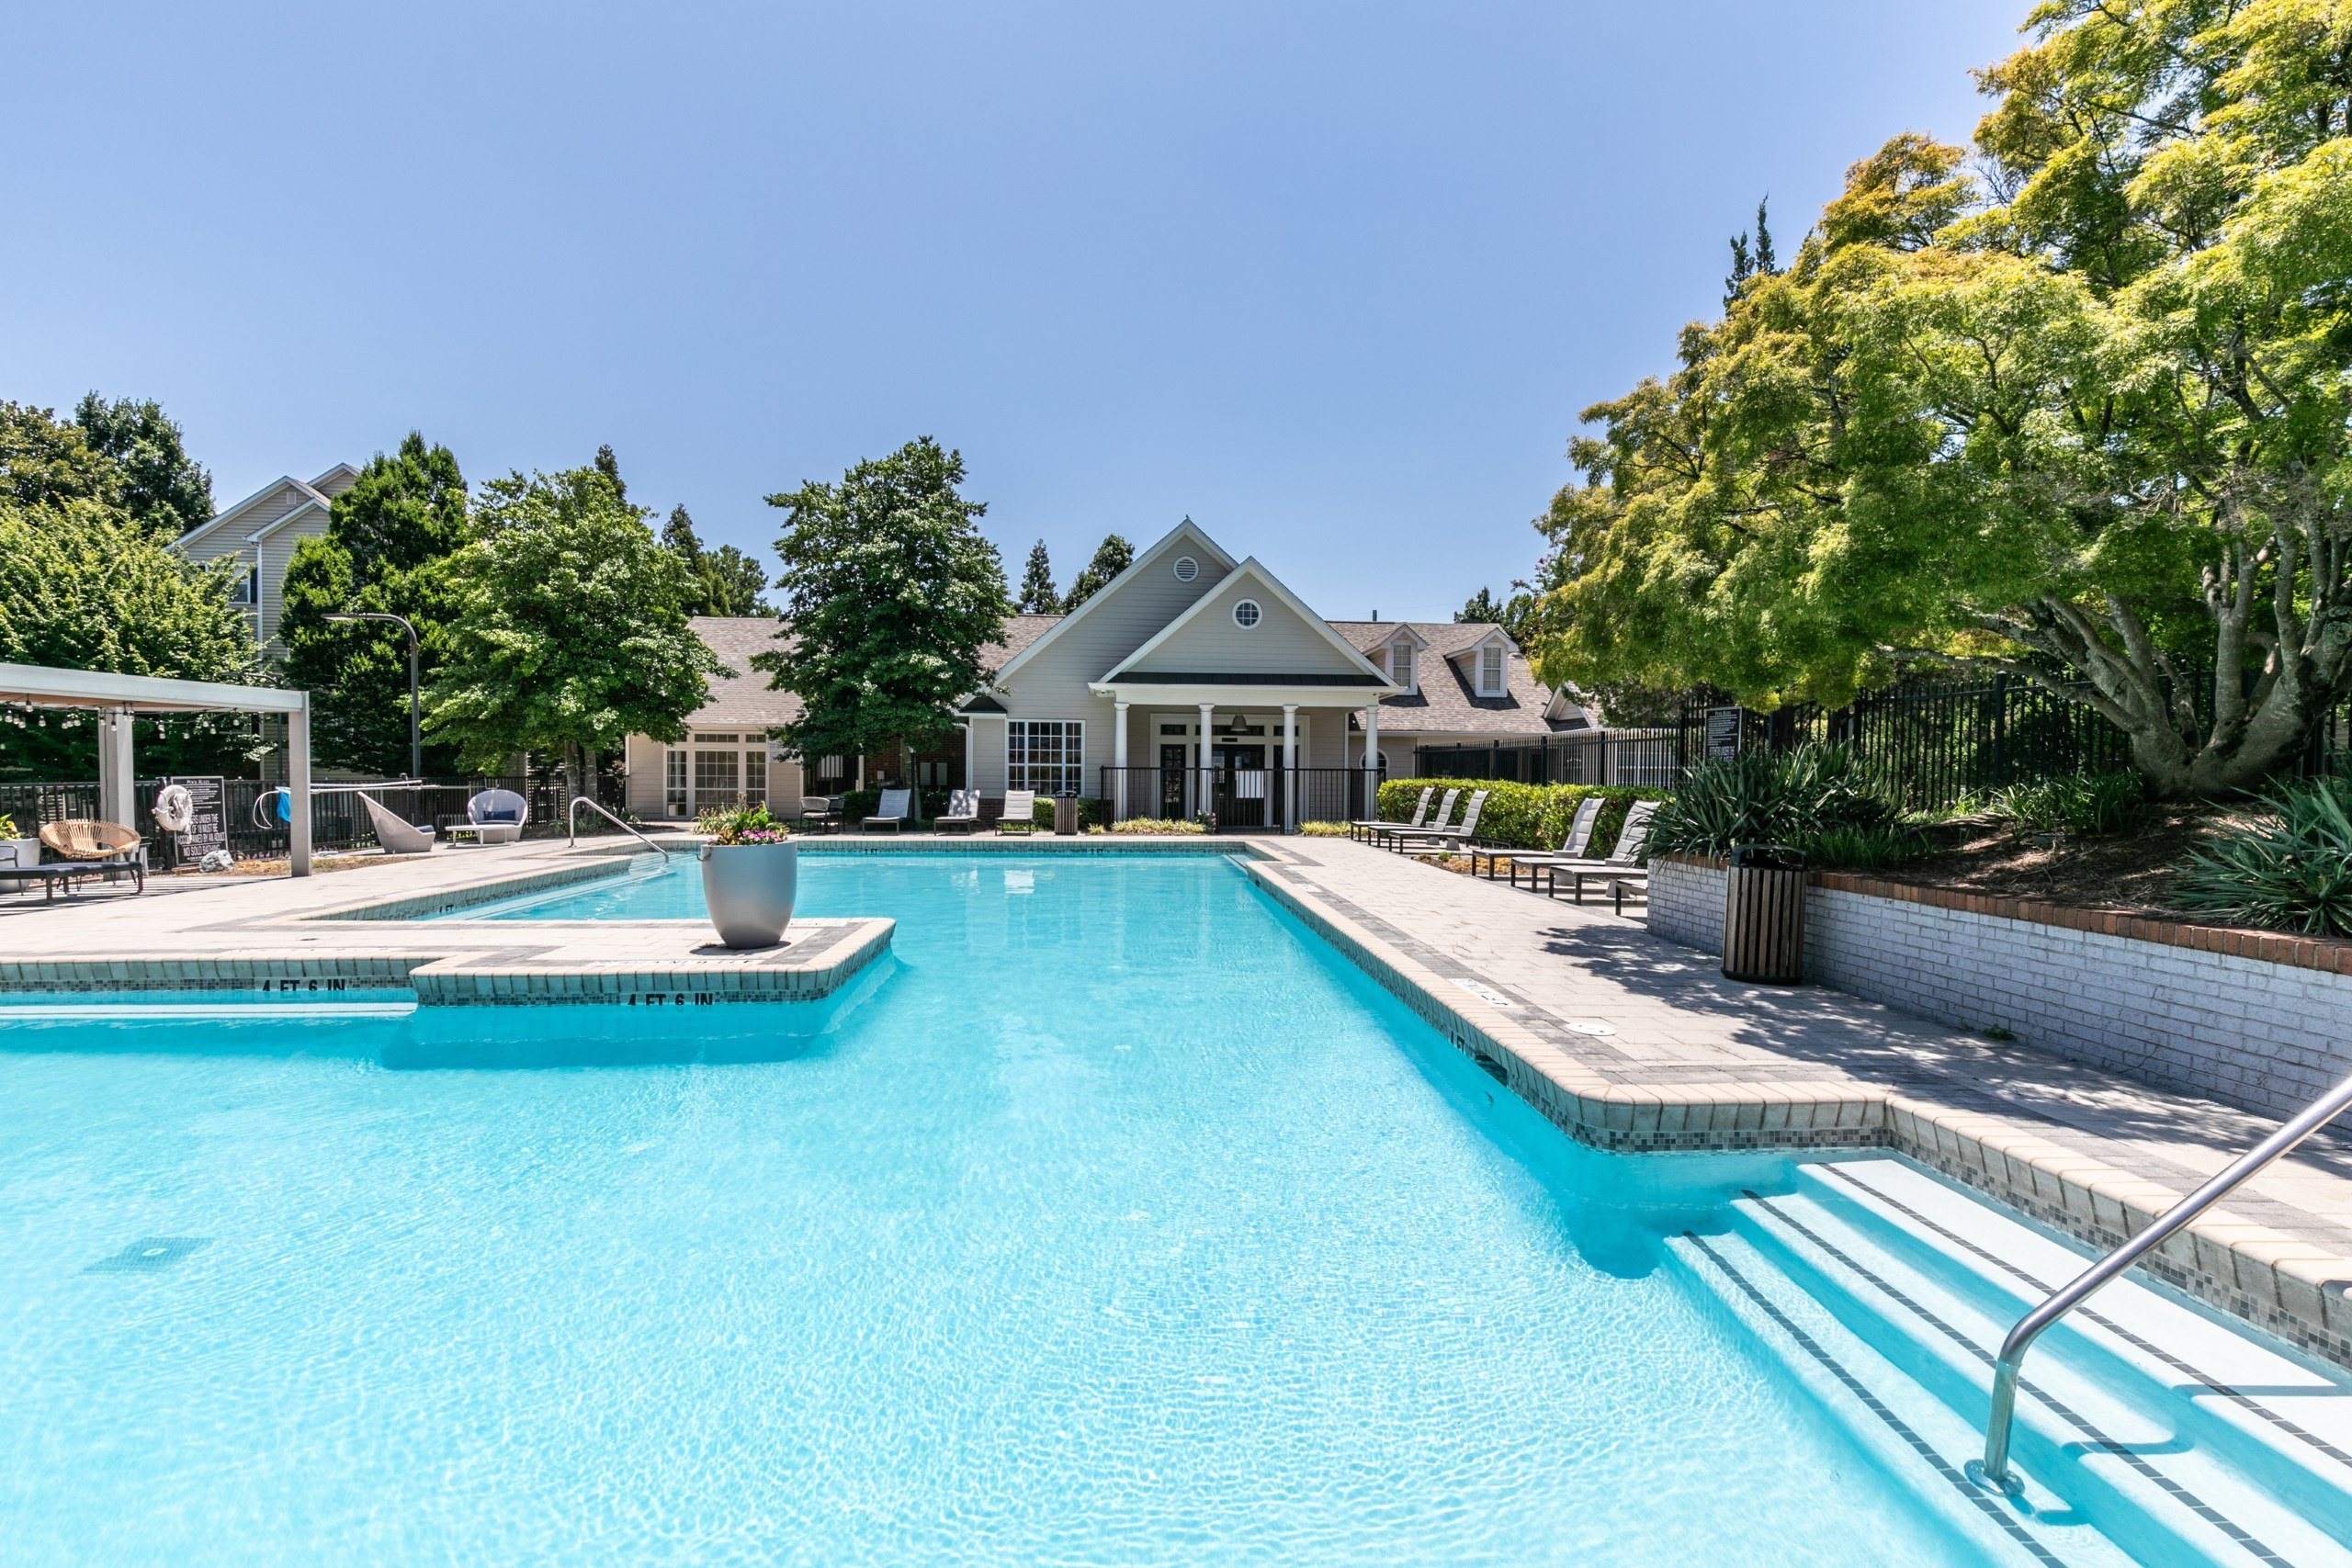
(416, 734)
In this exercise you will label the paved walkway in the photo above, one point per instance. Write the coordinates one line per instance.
(1675, 1026)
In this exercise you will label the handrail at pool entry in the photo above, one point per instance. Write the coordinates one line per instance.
(2309, 1120)
(571, 824)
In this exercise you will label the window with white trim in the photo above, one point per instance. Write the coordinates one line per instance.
(1490, 670)
(674, 781)
(1246, 615)
(1047, 755)
(1400, 664)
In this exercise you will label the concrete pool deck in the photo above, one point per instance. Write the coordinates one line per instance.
(1624, 1040)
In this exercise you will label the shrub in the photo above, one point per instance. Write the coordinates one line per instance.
(2088, 805)
(1788, 797)
(2289, 869)
(1325, 829)
(1520, 815)
(1155, 825)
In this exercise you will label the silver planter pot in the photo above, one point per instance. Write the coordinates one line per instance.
(749, 889)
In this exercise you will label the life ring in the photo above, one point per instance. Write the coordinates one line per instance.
(174, 809)
(272, 808)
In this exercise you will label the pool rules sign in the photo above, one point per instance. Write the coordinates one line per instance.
(208, 826)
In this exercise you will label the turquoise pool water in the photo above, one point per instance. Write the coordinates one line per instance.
(1114, 1220)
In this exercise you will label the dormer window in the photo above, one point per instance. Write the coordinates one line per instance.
(1490, 670)
(1400, 664)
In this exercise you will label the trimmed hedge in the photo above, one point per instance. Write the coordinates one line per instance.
(1521, 816)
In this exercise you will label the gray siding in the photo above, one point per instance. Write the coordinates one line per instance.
(1114, 623)
(1280, 643)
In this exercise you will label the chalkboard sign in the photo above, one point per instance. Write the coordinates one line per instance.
(1722, 732)
(207, 828)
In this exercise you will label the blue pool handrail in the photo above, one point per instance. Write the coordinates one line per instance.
(2063, 1300)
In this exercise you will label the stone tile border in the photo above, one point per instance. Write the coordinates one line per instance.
(2288, 1287)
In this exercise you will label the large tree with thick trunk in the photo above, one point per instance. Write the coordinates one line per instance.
(2077, 412)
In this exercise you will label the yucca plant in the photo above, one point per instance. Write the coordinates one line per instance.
(2290, 868)
(2088, 805)
(1882, 848)
(1789, 797)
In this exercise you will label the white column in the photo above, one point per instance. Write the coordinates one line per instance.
(1289, 767)
(1203, 792)
(118, 790)
(1372, 761)
(1119, 759)
(298, 785)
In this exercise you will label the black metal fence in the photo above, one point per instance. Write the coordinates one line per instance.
(1936, 743)
(256, 831)
(1235, 799)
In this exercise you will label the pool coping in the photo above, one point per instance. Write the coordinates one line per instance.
(2288, 1287)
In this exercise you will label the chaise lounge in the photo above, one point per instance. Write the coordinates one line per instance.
(1020, 812)
(1622, 869)
(1364, 826)
(893, 810)
(1419, 840)
(963, 812)
(1573, 847)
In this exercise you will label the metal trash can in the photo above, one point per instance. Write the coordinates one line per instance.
(1764, 914)
(1066, 813)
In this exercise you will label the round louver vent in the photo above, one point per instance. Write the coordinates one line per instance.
(1187, 569)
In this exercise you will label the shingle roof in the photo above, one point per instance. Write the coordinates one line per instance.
(1448, 702)
(741, 698)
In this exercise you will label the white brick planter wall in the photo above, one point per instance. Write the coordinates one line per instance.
(2259, 1022)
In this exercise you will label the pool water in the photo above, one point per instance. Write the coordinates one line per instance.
(1113, 1220)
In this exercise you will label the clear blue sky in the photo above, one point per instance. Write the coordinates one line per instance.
(1333, 279)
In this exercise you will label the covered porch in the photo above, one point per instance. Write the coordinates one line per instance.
(1246, 756)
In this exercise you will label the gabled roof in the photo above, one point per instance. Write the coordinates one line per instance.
(1448, 702)
(740, 696)
(1254, 571)
(275, 486)
(1187, 531)
(316, 503)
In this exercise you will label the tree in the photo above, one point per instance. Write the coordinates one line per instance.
(2083, 421)
(387, 543)
(43, 462)
(1037, 594)
(727, 582)
(1517, 616)
(610, 467)
(568, 627)
(892, 594)
(1749, 262)
(162, 488)
(1112, 557)
(83, 586)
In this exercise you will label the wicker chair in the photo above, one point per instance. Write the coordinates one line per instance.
(96, 849)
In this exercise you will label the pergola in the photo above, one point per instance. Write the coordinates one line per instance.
(120, 698)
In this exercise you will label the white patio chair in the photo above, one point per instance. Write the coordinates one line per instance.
(896, 806)
(396, 836)
(1020, 812)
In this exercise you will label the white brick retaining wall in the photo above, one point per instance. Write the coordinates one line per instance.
(2257, 1020)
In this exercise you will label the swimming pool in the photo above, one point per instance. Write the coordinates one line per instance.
(1113, 1220)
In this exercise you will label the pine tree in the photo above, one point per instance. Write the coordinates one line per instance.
(1751, 258)
(1112, 557)
(1766, 266)
(610, 467)
(1037, 595)
(678, 534)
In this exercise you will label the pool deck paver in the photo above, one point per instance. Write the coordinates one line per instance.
(1631, 1041)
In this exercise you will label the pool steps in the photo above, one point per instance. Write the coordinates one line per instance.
(2184, 1439)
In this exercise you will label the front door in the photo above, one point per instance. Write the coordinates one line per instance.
(1242, 783)
(1174, 760)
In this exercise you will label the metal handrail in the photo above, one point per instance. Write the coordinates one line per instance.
(571, 824)
(2318, 1114)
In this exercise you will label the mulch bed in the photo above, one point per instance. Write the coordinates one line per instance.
(2129, 871)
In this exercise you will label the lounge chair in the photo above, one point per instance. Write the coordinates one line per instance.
(1364, 827)
(1421, 840)
(1381, 833)
(396, 836)
(89, 848)
(963, 811)
(1020, 812)
(896, 806)
(1573, 847)
(493, 817)
(1622, 867)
